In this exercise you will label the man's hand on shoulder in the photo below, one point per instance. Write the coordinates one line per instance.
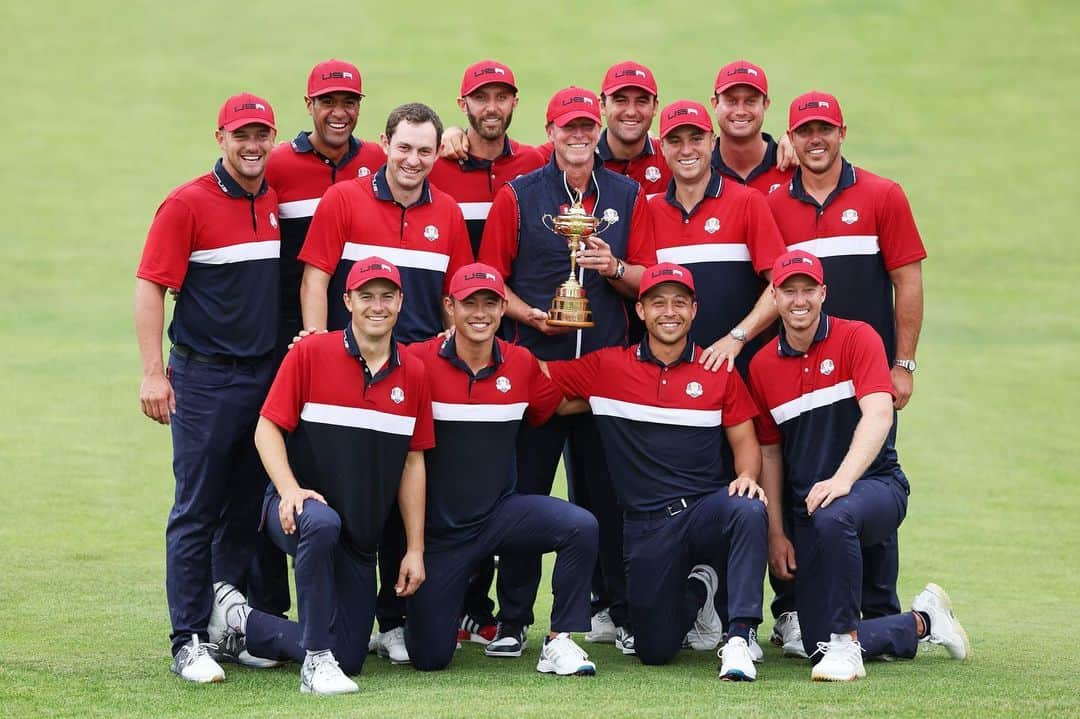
(455, 144)
(305, 333)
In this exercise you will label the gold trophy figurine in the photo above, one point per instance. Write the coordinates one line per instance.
(570, 306)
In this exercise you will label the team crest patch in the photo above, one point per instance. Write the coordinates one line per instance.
(273, 220)
(611, 216)
(652, 173)
(712, 225)
(502, 384)
(694, 389)
(827, 367)
(773, 187)
(397, 395)
(431, 232)
(849, 217)
(363, 172)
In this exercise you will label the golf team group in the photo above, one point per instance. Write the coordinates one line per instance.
(366, 373)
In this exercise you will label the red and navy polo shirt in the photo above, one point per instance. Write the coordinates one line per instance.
(765, 178)
(862, 231)
(473, 182)
(473, 466)
(648, 169)
(301, 175)
(534, 260)
(351, 428)
(726, 241)
(219, 245)
(661, 426)
(809, 402)
(427, 241)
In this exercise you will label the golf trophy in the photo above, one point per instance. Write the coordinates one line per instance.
(570, 306)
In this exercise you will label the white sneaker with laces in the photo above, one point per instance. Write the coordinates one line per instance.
(232, 646)
(787, 633)
(736, 662)
(756, 652)
(391, 645)
(195, 664)
(708, 629)
(603, 629)
(944, 629)
(624, 640)
(562, 656)
(321, 675)
(226, 596)
(841, 662)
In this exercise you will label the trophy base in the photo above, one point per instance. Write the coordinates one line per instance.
(570, 323)
(570, 307)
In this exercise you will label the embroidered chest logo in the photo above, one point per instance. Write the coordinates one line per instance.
(695, 390)
(363, 172)
(397, 395)
(611, 216)
(712, 225)
(849, 217)
(273, 220)
(773, 187)
(827, 367)
(502, 384)
(652, 173)
(431, 233)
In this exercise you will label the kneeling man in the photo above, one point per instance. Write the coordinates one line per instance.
(826, 428)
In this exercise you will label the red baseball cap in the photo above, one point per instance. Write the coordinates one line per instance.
(797, 262)
(628, 74)
(486, 72)
(334, 76)
(814, 106)
(684, 112)
(371, 268)
(474, 278)
(571, 103)
(665, 272)
(741, 72)
(245, 109)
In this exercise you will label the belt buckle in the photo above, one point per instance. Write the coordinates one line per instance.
(672, 512)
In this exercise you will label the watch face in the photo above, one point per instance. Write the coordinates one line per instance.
(739, 334)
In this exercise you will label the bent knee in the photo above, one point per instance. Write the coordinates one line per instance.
(319, 522)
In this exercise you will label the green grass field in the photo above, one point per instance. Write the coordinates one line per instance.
(972, 106)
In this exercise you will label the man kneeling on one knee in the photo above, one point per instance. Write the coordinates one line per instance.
(662, 419)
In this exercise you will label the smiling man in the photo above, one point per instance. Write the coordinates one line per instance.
(825, 425)
(214, 240)
(534, 261)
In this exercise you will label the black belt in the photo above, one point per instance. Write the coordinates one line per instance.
(669, 511)
(190, 354)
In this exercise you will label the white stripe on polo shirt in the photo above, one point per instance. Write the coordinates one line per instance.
(359, 418)
(813, 400)
(297, 208)
(657, 415)
(415, 259)
(243, 252)
(839, 246)
(447, 412)
(712, 252)
(475, 210)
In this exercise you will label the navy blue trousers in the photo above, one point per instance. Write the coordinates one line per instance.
(213, 525)
(725, 532)
(538, 453)
(519, 524)
(829, 551)
(335, 592)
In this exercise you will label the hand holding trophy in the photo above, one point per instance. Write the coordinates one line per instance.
(570, 306)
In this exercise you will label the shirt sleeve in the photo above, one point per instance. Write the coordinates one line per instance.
(461, 253)
(424, 430)
(576, 378)
(546, 151)
(169, 244)
(286, 396)
(762, 233)
(641, 247)
(764, 424)
(325, 240)
(499, 243)
(869, 366)
(544, 395)
(897, 234)
(738, 405)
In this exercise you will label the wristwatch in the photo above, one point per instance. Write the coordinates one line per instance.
(739, 334)
(620, 270)
(908, 365)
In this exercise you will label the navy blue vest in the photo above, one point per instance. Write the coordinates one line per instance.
(543, 259)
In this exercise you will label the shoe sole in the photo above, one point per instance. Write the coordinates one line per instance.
(628, 652)
(946, 603)
(305, 689)
(216, 679)
(835, 679)
(794, 653)
(395, 662)
(584, 671)
(506, 655)
(474, 639)
(734, 675)
(600, 639)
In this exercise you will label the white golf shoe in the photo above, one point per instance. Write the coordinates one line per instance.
(708, 629)
(391, 645)
(736, 661)
(195, 663)
(603, 629)
(944, 629)
(841, 662)
(787, 633)
(320, 674)
(562, 656)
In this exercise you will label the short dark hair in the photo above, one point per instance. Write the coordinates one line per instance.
(415, 113)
